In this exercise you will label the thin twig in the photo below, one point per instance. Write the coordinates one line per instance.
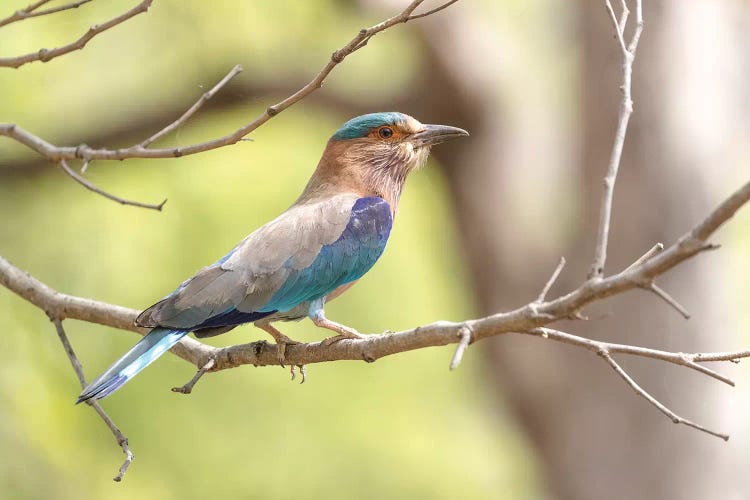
(54, 10)
(91, 187)
(195, 107)
(626, 109)
(551, 281)
(22, 13)
(46, 55)
(619, 30)
(27, 13)
(430, 12)
(676, 358)
(188, 388)
(122, 441)
(666, 411)
(666, 297)
(643, 258)
(625, 12)
(633, 47)
(464, 334)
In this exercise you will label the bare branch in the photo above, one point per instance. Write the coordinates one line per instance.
(666, 411)
(91, 187)
(195, 107)
(188, 388)
(677, 358)
(551, 281)
(30, 11)
(46, 55)
(662, 294)
(625, 12)
(643, 258)
(619, 28)
(626, 109)
(57, 153)
(430, 12)
(23, 13)
(122, 441)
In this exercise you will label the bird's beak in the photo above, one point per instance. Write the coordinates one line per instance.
(435, 134)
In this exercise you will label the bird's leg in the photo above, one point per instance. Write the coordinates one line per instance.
(319, 319)
(281, 340)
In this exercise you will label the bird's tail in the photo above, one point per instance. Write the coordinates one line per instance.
(153, 345)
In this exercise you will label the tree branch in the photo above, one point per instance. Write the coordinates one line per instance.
(46, 55)
(31, 11)
(626, 109)
(122, 441)
(91, 187)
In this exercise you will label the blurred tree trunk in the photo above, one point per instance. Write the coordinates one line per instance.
(594, 438)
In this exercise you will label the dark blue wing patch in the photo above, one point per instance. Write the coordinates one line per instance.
(232, 317)
(345, 260)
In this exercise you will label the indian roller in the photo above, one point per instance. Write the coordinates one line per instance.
(289, 268)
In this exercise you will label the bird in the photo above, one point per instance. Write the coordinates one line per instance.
(310, 254)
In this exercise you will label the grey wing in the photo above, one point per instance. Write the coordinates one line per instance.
(255, 269)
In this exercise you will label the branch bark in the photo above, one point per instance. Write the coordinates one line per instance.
(46, 55)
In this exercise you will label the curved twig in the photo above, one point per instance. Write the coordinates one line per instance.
(46, 55)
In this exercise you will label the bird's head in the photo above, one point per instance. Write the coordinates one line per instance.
(378, 150)
(391, 140)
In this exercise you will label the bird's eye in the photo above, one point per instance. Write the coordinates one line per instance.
(385, 132)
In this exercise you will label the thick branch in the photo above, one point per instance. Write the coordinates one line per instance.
(46, 55)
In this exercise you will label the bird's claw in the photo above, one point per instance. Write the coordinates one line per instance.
(302, 372)
(281, 344)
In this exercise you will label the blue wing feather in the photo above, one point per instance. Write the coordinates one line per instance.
(345, 260)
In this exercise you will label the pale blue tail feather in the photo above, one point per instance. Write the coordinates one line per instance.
(153, 345)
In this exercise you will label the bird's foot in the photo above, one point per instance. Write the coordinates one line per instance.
(281, 349)
(281, 341)
(349, 333)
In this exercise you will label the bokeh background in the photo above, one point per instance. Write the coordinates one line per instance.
(479, 230)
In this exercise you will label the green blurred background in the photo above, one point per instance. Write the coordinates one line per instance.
(404, 427)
